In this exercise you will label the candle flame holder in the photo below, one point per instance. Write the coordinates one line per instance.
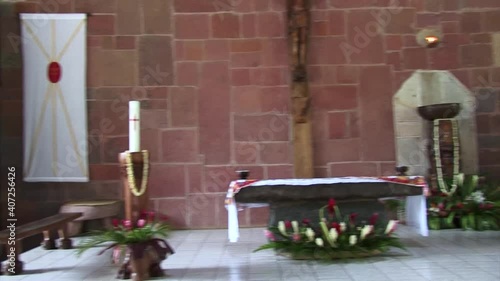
(243, 174)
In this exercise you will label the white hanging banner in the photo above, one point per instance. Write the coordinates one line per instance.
(55, 111)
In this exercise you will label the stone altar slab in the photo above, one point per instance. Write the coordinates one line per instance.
(296, 199)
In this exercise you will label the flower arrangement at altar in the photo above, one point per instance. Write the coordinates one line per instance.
(473, 205)
(336, 237)
(139, 245)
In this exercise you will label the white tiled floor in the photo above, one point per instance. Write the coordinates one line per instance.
(206, 255)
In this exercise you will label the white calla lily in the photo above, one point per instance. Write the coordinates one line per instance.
(295, 226)
(334, 234)
(367, 229)
(343, 226)
(282, 227)
(353, 240)
(310, 234)
(319, 242)
(391, 225)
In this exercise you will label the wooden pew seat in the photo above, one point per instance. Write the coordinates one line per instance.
(56, 222)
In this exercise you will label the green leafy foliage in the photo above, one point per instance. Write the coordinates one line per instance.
(475, 206)
(125, 234)
(335, 236)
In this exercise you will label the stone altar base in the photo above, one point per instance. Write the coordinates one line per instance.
(296, 199)
(299, 210)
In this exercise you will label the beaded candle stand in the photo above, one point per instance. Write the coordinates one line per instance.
(135, 172)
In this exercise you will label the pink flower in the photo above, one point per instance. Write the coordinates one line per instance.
(373, 219)
(127, 224)
(141, 223)
(117, 251)
(441, 206)
(288, 224)
(296, 237)
(269, 235)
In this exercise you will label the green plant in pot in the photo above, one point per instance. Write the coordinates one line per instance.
(140, 244)
(473, 205)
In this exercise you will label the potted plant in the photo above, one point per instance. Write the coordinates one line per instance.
(141, 244)
(336, 237)
(474, 205)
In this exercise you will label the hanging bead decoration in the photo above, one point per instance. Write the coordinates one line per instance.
(130, 173)
(456, 158)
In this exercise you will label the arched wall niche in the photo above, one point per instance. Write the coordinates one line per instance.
(426, 87)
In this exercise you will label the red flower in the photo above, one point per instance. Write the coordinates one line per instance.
(488, 206)
(269, 235)
(352, 217)
(115, 222)
(441, 206)
(288, 224)
(306, 221)
(331, 205)
(460, 205)
(151, 216)
(336, 225)
(373, 219)
(143, 214)
(162, 217)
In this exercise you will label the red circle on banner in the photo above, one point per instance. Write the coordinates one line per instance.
(54, 72)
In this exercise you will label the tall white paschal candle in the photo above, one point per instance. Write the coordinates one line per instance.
(134, 129)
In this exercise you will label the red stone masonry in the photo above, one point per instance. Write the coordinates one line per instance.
(213, 79)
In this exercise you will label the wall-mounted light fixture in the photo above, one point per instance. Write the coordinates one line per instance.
(429, 38)
(432, 41)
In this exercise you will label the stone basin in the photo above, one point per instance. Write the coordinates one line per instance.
(439, 111)
(296, 199)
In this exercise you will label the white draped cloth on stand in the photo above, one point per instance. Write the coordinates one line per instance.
(416, 214)
(55, 107)
(232, 217)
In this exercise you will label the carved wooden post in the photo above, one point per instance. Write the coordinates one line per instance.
(134, 204)
(298, 36)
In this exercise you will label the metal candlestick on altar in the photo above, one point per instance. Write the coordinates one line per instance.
(133, 204)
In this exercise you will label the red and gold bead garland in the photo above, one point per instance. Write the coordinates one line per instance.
(130, 173)
(456, 157)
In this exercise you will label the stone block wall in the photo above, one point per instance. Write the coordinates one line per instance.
(213, 79)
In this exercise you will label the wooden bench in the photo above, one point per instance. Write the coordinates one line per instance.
(57, 222)
(91, 210)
